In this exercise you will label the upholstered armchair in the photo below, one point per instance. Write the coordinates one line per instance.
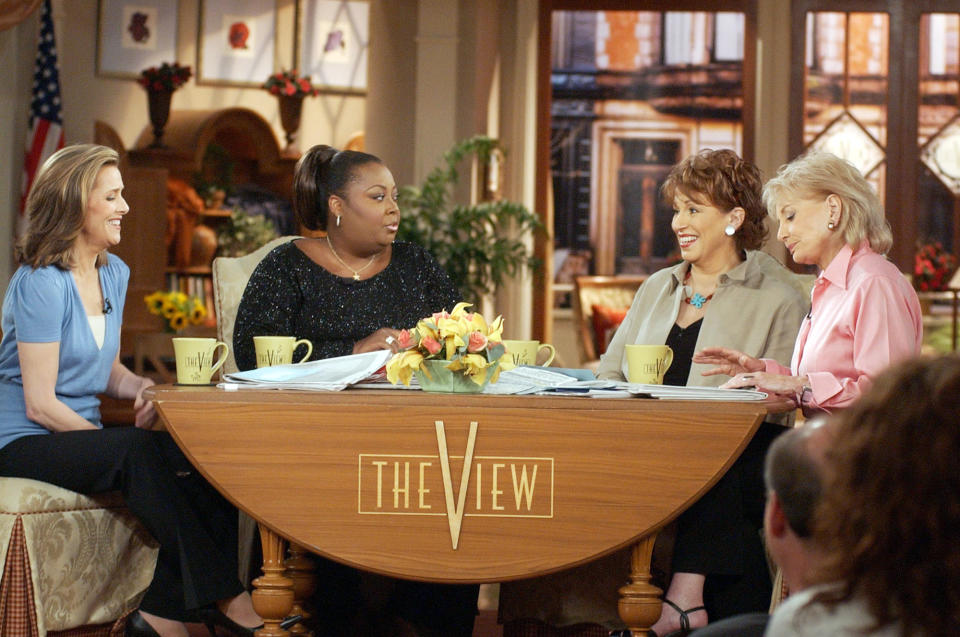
(69, 562)
(599, 305)
(230, 276)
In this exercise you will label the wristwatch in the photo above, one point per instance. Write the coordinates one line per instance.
(804, 393)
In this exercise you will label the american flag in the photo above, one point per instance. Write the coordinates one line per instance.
(45, 136)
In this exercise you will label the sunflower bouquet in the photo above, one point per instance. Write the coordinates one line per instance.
(461, 342)
(178, 309)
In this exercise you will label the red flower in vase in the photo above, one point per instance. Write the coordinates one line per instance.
(289, 83)
(932, 267)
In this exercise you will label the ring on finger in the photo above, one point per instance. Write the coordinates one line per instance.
(390, 340)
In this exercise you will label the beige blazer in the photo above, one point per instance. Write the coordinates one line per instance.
(757, 309)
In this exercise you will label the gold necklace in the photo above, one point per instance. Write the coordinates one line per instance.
(356, 273)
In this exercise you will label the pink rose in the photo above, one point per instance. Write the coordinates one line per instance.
(405, 340)
(476, 343)
(440, 315)
(431, 344)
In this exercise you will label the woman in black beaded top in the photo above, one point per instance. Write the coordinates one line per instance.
(350, 292)
(353, 290)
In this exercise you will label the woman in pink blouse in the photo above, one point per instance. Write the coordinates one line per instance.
(864, 315)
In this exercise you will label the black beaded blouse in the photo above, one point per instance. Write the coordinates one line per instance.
(291, 295)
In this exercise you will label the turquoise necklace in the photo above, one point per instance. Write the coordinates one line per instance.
(696, 300)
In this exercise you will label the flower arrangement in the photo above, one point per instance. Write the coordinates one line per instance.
(289, 83)
(177, 309)
(243, 233)
(462, 341)
(166, 77)
(932, 267)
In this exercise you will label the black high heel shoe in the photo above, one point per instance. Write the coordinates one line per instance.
(212, 617)
(137, 626)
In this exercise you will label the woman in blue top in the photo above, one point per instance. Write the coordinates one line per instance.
(60, 348)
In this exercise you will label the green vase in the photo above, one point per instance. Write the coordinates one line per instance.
(441, 379)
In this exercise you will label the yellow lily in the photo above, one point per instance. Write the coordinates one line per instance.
(400, 368)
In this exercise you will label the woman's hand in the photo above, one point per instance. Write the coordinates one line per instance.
(726, 361)
(146, 416)
(384, 338)
(763, 381)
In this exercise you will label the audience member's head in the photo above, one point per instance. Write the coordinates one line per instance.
(793, 474)
(890, 514)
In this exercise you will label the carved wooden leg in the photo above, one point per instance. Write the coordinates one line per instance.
(301, 570)
(273, 595)
(640, 603)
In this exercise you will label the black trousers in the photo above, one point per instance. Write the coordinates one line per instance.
(194, 525)
(720, 536)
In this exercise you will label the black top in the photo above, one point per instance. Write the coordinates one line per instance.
(683, 342)
(291, 295)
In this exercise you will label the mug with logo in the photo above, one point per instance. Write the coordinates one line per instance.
(648, 363)
(195, 359)
(526, 352)
(278, 350)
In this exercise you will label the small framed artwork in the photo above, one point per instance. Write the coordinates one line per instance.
(332, 40)
(135, 34)
(236, 42)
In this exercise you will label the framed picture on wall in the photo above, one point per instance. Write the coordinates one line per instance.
(236, 42)
(331, 43)
(135, 34)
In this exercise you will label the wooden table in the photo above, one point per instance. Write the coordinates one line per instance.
(456, 488)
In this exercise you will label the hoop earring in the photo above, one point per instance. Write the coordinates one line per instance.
(729, 230)
(338, 221)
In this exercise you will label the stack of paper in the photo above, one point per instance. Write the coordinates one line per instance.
(672, 392)
(329, 374)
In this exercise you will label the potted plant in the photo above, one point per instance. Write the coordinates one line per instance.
(241, 234)
(479, 245)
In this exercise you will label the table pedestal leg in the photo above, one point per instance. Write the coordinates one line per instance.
(302, 571)
(273, 595)
(640, 603)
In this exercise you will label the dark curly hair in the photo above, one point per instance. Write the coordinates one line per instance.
(321, 172)
(727, 181)
(891, 509)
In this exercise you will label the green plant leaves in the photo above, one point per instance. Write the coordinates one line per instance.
(479, 245)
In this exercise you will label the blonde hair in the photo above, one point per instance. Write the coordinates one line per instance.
(818, 175)
(57, 204)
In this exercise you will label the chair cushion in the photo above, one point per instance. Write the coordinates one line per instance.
(230, 277)
(67, 559)
(605, 320)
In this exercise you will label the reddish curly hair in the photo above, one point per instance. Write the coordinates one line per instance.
(727, 181)
(891, 506)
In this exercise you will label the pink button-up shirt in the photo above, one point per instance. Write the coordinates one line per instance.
(864, 317)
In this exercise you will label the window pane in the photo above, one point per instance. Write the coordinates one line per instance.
(938, 129)
(633, 92)
(847, 88)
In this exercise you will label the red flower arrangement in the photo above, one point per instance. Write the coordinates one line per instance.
(166, 77)
(932, 267)
(289, 83)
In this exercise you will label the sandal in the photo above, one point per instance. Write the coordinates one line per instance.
(684, 618)
(684, 623)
